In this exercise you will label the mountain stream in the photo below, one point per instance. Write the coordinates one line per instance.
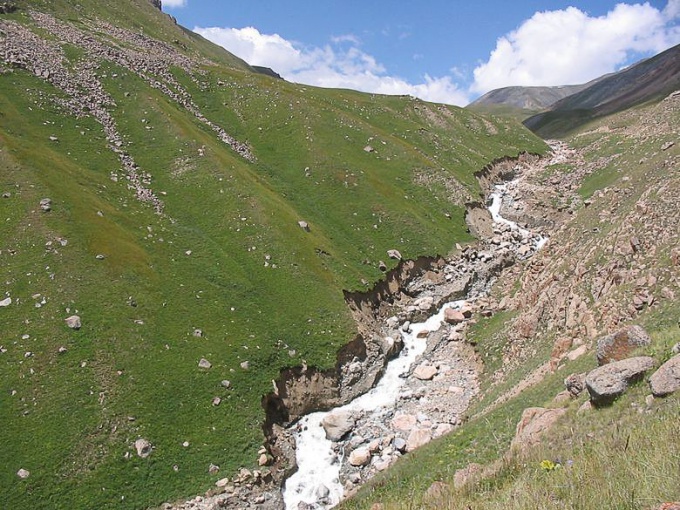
(317, 483)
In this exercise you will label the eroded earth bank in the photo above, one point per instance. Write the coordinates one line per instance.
(434, 390)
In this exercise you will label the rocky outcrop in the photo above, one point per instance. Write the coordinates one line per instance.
(608, 382)
(158, 4)
(501, 170)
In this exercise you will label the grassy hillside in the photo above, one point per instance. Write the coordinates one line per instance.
(226, 255)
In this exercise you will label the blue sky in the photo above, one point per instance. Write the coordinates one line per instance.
(439, 50)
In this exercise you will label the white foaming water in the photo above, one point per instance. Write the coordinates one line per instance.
(317, 481)
(495, 210)
(318, 475)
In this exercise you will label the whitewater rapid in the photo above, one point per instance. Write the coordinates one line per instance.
(318, 475)
(317, 480)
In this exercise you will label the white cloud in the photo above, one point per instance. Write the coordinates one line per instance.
(342, 65)
(569, 46)
(174, 3)
(672, 10)
(551, 48)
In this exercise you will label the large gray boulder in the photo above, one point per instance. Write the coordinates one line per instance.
(338, 423)
(608, 382)
(621, 344)
(666, 379)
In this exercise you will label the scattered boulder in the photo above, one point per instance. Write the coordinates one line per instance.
(23, 473)
(73, 322)
(452, 316)
(360, 456)
(338, 423)
(619, 345)
(608, 382)
(436, 492)
(399, 444)
(404, 422)
(425, 372)
(213, 469)
(204, 363)
(304, 225)
(5, 302)
(417, 438)
(394, 254)
(143, 448)
(533, 423)
(222, 482)
(666, 379)
(198, 333)
(46, 204)
(575, 384)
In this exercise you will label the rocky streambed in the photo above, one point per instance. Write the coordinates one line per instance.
(407, 378)
(423, 392)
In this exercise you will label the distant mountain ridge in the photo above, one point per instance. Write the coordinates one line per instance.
(528, 98)
(649, 79)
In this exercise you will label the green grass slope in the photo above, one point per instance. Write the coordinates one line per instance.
(624, 456)
(226, 256)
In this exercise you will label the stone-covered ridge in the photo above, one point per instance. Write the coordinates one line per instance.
(149, 59)
(157, 4)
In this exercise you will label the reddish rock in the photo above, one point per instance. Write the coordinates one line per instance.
(404, 422)
(360, 457)
(437, 491)
(534, 422)
(418, 438)
(425, 372)
(452, 316)
(462, 476)
(621, 344)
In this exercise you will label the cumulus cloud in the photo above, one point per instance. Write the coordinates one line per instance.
(341, 64)
(551, 48)
(569, 46)
(174, 3)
